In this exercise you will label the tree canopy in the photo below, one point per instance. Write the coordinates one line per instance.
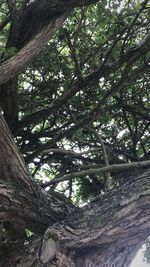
(75, 93)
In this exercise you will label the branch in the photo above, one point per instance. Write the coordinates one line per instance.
(143, 5)
(133, 110)
(69, 152)
(22, 201)
(108, 182)
(131, 56)
(17, 63)
(61, 5)
(73, 55)
(111, 227)
(110, 168)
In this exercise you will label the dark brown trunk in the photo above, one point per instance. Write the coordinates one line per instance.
(9, 101)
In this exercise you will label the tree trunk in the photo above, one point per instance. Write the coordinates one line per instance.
(107, 232)
(102, 233)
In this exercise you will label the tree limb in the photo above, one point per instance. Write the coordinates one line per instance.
(103, 230)
(22, 200)
(131, 56)
(17, 63)
(110, 168)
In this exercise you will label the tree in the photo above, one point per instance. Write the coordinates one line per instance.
(74, 92)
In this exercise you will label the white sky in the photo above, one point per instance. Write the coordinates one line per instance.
(138, 261)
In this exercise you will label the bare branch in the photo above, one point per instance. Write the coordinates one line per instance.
(110, 168)
(69, 152)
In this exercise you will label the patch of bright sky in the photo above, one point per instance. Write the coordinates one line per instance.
(121, 133)
(139, 261)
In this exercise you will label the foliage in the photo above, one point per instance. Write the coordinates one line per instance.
(81, 79)
(91, 38)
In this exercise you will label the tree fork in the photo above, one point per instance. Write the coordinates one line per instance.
(22, 200)
(88, 235)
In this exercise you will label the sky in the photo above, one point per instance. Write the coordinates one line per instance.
(138, 261)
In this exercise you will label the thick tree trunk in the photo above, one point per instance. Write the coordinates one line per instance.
(22, 201)
(105, 233)
(102, 233)
(27, 256)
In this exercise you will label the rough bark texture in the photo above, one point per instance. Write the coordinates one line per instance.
(28, 34)
(39, 20)
(21, 199)
(104, 233)
(17, 63)
(97, 234)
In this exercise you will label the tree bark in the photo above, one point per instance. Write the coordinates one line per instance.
(28, 34)
(31, 28)
(22, 200)
(101, 233)
(106, 232)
